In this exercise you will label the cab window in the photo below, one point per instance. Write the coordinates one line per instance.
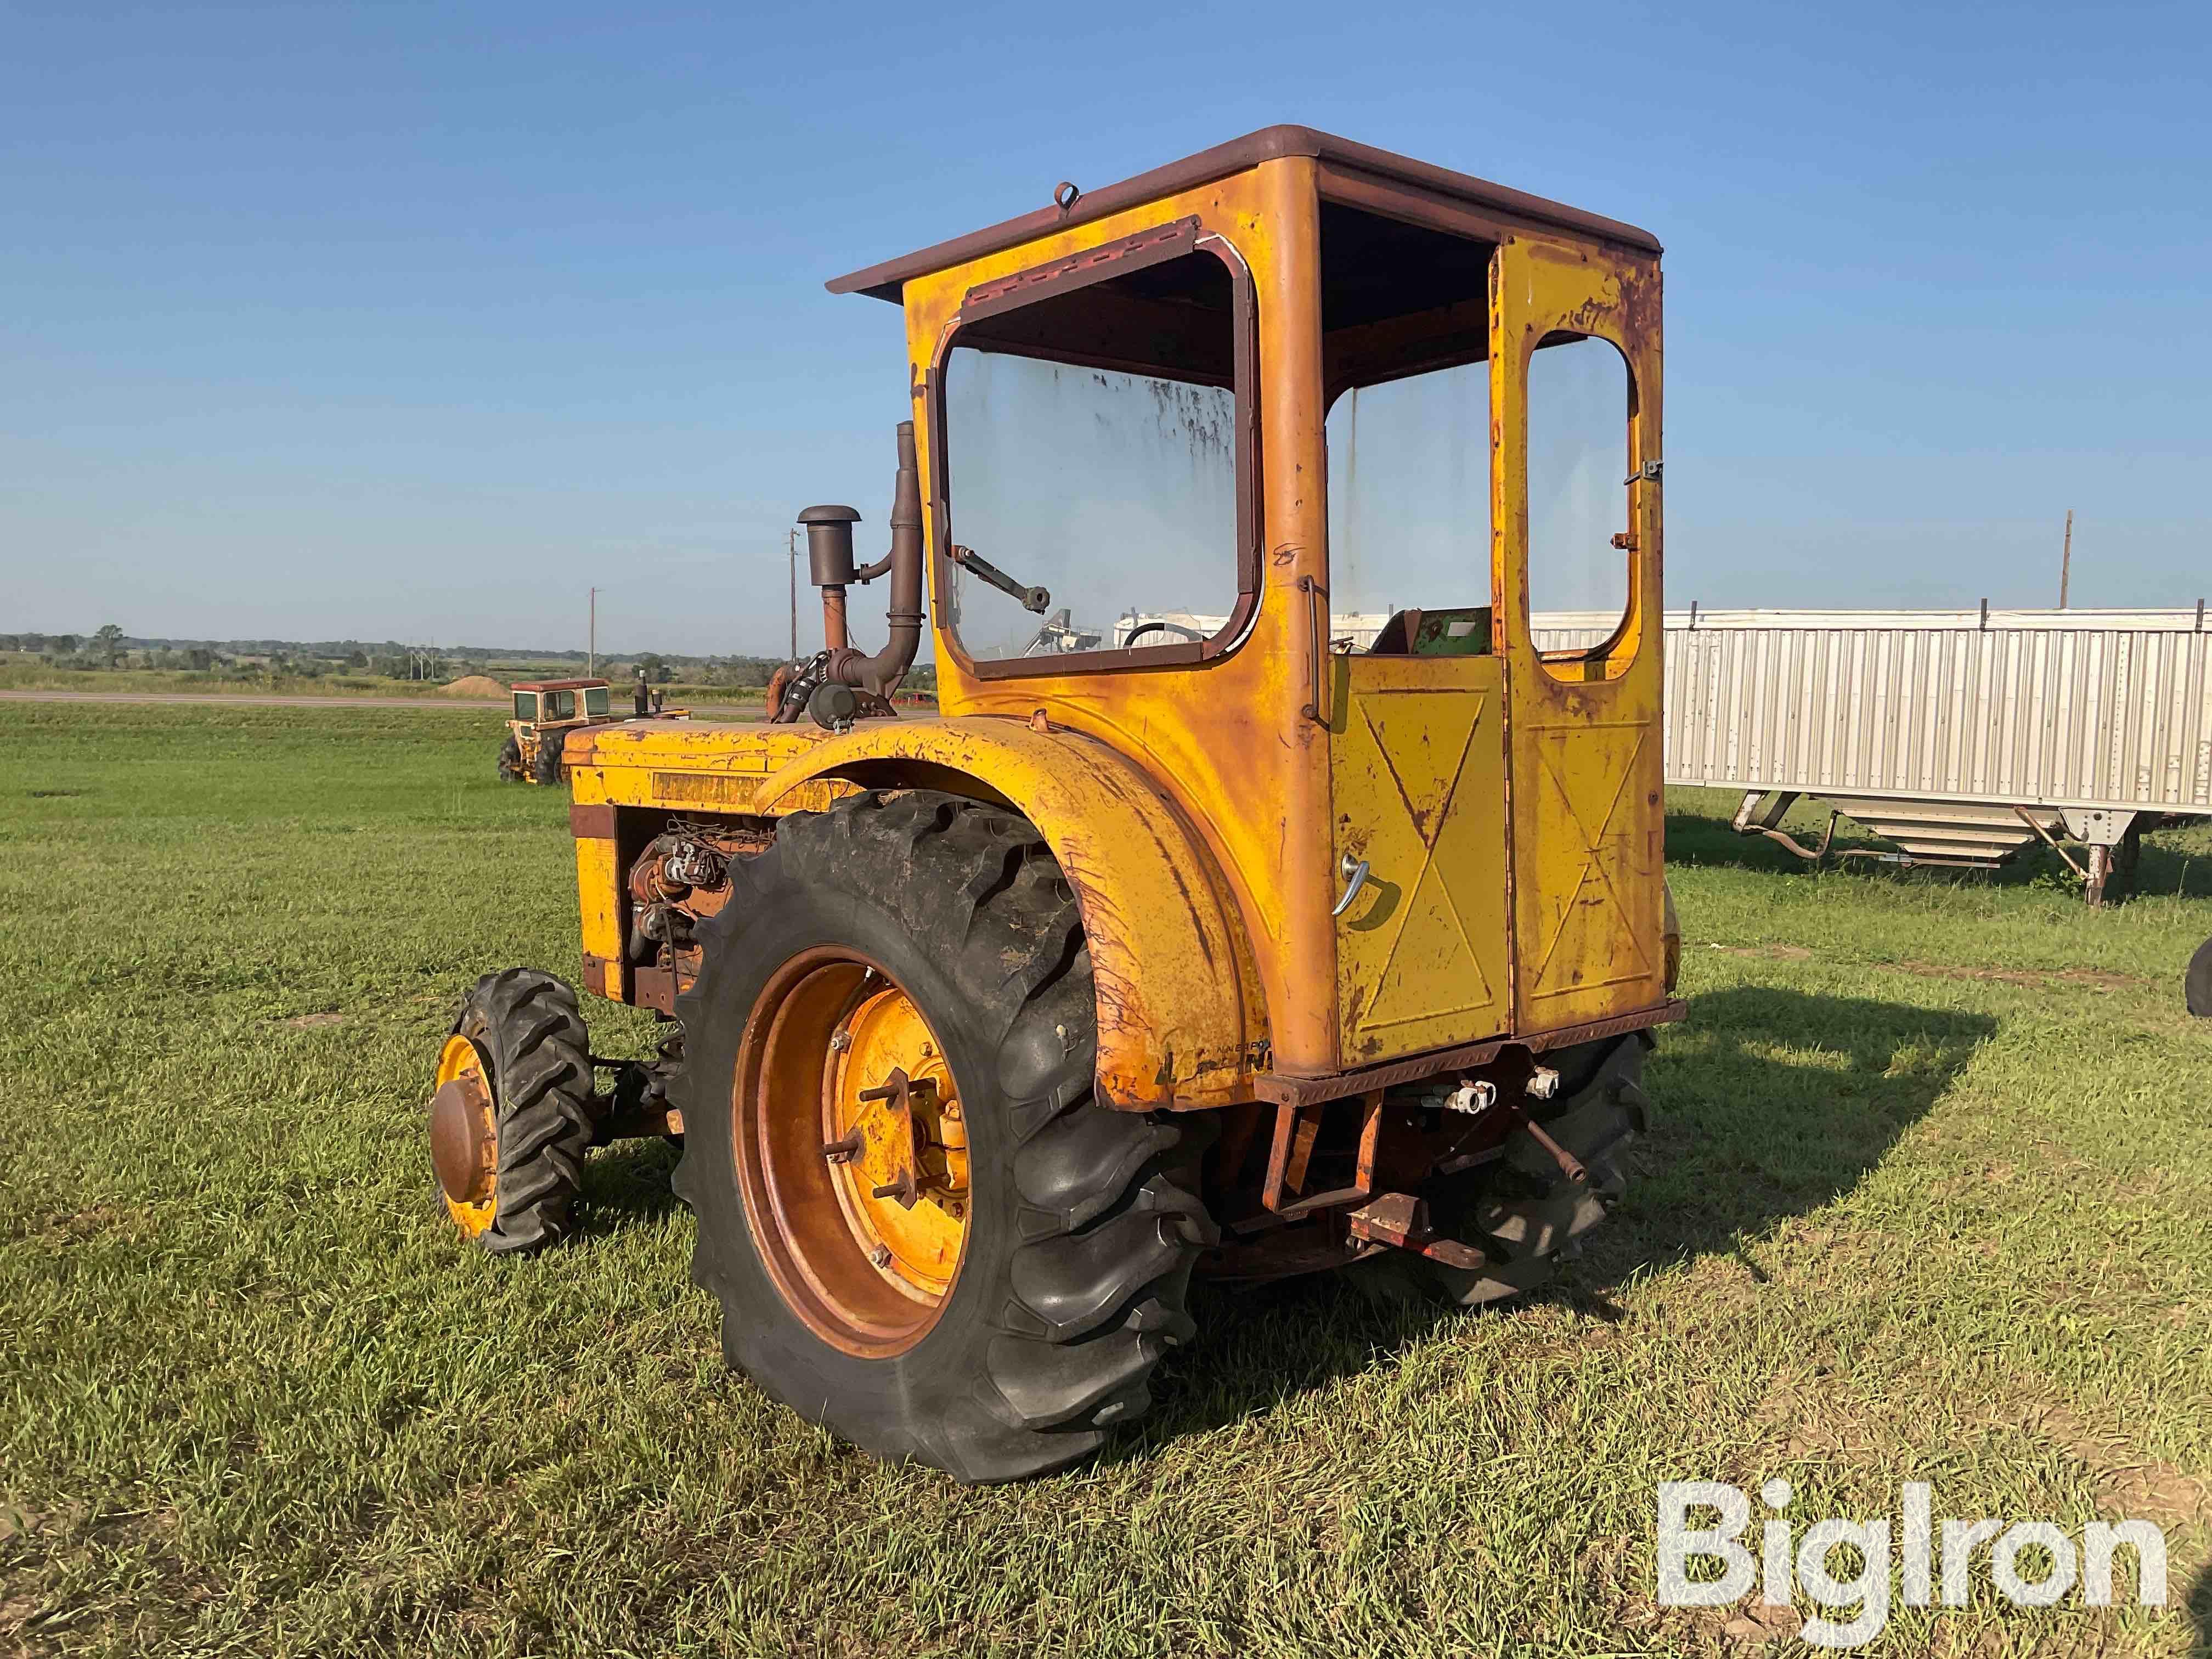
(1581, 405)
(526, 705)
(595, 700)
(560, 705)
(1091, 438)
(1405, 363)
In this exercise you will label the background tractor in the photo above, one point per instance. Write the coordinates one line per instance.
(545, 712)
(1232, 947)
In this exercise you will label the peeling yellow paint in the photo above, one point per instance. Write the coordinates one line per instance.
(1587, 823)
(1179, 1009)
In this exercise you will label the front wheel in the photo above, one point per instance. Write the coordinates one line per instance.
(510, 761)
(513, 1114)
(2197, 983)
(926, 1232)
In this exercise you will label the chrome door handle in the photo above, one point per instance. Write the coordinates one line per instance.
(1354, 872)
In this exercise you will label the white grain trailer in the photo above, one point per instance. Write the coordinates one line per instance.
(1960, 737)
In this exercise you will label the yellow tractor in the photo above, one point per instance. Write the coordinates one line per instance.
(1259, 942)
(545, 712)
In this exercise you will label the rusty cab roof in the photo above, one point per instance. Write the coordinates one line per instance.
(887, 280)
(556, 685)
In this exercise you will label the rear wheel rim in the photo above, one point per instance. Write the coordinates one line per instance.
(860, 1206)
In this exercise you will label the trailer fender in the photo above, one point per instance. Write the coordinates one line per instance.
(1179, 1021)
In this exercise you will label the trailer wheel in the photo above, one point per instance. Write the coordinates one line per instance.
(510, 761)
(1519, 1209)
(924, 1230)
(2197, 984)
(511, 1117)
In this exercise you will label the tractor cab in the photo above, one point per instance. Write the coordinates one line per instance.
(1252, 468)
(560, 702)
(545, 711)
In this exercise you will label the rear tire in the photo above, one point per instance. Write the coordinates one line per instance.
(2197, 983)
(1079, 1229)
(547, 765)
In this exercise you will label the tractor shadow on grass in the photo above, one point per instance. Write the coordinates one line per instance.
(626, 1186)
(1767, 1104)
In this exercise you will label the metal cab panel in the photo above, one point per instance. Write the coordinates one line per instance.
(1588, 806)
(1420, 809)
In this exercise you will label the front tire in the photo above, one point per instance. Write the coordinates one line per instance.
(2197, 983)
(510, 761)
(997, 1324)
(512, 1114)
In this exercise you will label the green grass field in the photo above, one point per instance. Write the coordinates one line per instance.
(1930, 1198)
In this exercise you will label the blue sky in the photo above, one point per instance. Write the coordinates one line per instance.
(414, 320)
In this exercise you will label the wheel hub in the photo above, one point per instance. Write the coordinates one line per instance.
(904, 1185)
(463, 1137)
(852, 1152)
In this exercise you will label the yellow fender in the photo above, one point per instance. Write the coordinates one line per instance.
(1179, 1015)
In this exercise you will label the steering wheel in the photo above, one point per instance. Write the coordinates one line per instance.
(1143, 628)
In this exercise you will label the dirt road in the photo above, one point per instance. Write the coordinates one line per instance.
(252, 697)
(475, 704)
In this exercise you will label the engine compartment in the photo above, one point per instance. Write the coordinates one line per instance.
(682, 877)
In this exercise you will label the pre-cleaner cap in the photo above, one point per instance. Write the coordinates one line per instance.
(830, 543)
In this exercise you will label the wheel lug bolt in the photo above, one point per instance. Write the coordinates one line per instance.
(951, 1113)
(840, 1041)
(881, 1255)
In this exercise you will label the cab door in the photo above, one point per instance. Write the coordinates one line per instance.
(1576, 377)
(1418, 780)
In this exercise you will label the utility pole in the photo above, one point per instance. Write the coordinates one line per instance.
(792, 541)
(2066, 559)
(592, 647)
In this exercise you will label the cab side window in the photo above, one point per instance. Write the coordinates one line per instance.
(1580, 409)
